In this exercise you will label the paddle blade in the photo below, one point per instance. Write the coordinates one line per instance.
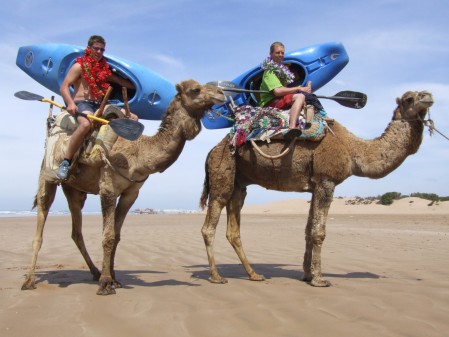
(127, 128)
(29, 96)
(351, 99)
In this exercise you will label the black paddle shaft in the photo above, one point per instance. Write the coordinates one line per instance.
(350, 99)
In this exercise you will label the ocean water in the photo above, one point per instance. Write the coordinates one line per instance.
(13, 214)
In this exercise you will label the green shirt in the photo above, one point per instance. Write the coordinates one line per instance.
(269, 82)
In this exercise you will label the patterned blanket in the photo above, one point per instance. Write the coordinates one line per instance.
(255, 123)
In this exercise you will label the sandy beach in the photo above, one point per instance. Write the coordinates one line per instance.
(388, 265)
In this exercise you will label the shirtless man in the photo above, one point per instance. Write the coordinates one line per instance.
(89, 77)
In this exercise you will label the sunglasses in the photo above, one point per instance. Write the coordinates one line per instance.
(98, 49)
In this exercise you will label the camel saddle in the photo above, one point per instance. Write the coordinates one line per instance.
(93, 150)
(257, 123)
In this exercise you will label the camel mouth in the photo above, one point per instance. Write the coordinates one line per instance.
(427, 100)
(218, 97)
(218, 100)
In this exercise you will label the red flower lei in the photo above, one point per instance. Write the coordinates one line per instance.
(95, 74)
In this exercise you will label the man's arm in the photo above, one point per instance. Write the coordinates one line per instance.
(72, 76)
(282, 91)
(272, 83)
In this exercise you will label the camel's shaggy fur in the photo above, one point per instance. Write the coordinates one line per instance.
(315, 167)
(118, 184)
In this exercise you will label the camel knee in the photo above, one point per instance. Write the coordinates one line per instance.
(317, 237)
(234, 239)
(108, 242)
(315, 234)
(78, 238)
(208, 233)
(37, 244)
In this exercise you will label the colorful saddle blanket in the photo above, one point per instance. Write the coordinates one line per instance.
(256, 123)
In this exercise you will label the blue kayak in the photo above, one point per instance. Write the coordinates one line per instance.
(48, 64)
(318, 63)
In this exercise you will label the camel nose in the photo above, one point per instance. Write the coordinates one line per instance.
(426, 98)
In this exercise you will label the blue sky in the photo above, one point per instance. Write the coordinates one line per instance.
(393, 46)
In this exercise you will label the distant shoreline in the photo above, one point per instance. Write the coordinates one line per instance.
(408, 205)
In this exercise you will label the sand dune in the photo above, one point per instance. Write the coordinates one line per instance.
(409, 205)
(389, 273)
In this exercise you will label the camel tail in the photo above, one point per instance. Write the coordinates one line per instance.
(34, 202)
(206, 187)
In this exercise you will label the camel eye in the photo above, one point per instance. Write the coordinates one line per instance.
(196, 90)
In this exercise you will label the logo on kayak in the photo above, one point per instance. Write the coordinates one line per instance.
(334, 56)
(211, 115)
(29, 58)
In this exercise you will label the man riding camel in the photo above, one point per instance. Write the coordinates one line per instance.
(90, 77)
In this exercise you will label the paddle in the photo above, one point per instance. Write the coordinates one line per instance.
(350, 99)
(125, 128)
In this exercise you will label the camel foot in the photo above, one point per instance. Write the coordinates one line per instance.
(318, 282)
(107, 286)
(116, 284)
(218, 280)
(29, 284)
(256, 277)
(106, 290)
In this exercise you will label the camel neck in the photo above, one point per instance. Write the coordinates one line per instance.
(378, 157)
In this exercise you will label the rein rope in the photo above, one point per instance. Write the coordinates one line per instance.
(431, 125)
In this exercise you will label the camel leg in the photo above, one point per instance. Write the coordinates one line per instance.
(208, 232)
(218, 187)
(124, 205)
(233, 230)
(316, 233)
(75, 200)
(106, 282)
(44, 199)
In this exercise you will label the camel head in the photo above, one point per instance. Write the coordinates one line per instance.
(196, 98)
(413, 105)
(191, 103)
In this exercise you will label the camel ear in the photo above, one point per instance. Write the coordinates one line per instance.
(398, 101)
(178, 88)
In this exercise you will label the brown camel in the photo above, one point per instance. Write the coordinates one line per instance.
(118, 184)
(315, 167)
